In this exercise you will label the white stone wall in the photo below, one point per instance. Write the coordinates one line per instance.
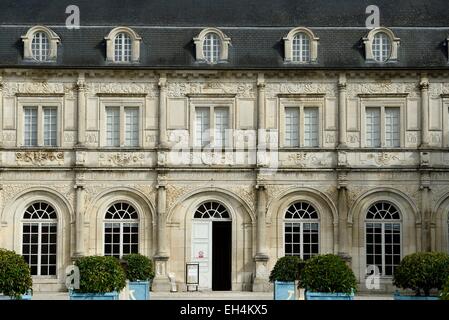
(81, 177)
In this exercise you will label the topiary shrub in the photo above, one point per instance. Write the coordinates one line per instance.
(445, 291)
(138, 268)
(100, 274)
(422, 272)
(15, 276)
(286, 269)
(328, 273)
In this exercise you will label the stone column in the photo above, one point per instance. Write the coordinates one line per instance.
(424, 86)
(342, 220)
(342, 111)
(261, 279)
(163, 143)
(79, 222)
(161, 281)
(81, 86)
(425, 212)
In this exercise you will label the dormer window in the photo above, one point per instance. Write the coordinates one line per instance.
(301, 46)
(123, 46)
(40, 44)
(212, 46)
(381, 46)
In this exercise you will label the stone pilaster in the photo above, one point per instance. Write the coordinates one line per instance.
(79, 222)
(342, 111)
(81, 86)
(261, 109)
(163, 143)
(424, 86)
(261, 283)
(161, 281)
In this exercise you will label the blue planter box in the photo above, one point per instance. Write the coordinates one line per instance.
(398, 296)
(284, 290)
(139, 290)
(94, 296)
(27, 296)
(328, 296)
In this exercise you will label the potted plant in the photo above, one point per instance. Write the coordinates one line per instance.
(284, 275)
(139, 272)
(327, 277)
(421, 272)
(101, 278)
(15, 276)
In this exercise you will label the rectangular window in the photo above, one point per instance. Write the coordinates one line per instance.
(113, 126)
(373, 127)
(131, 127)
(221, 125)
(392, 128)
(39, 248)
(311, 127)
(202, 127)
(50, 126)
(30, 126)
(292, 127)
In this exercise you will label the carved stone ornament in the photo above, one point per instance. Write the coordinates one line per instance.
(121, 159)
(40, 158)
(181, 89)
(125, 88)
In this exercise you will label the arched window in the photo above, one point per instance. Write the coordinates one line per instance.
(121, 230)
(383, 237)
(381, 47)
(301, 230)
(122, 47)
(40, 46)
(212, 47)
(301, 47)
(211, 210)
(39, 238)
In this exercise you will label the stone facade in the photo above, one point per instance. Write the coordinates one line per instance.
(341, 178)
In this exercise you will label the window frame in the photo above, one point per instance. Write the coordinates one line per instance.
(368, 42)
(135, 45)
(55, 222)
(383, 222)
(301, 222)
(225, 42)
(383, 103)
(212, 103)
(121, 222)
(288, 45)
(53, 41)
(122, 104)
(40, 104)
(301, 104)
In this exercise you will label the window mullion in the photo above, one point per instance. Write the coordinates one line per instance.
(39, 248)
(383, 248)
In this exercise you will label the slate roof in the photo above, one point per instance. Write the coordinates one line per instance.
(256, 28)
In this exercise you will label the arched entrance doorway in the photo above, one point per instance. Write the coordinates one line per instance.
(212, 245)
